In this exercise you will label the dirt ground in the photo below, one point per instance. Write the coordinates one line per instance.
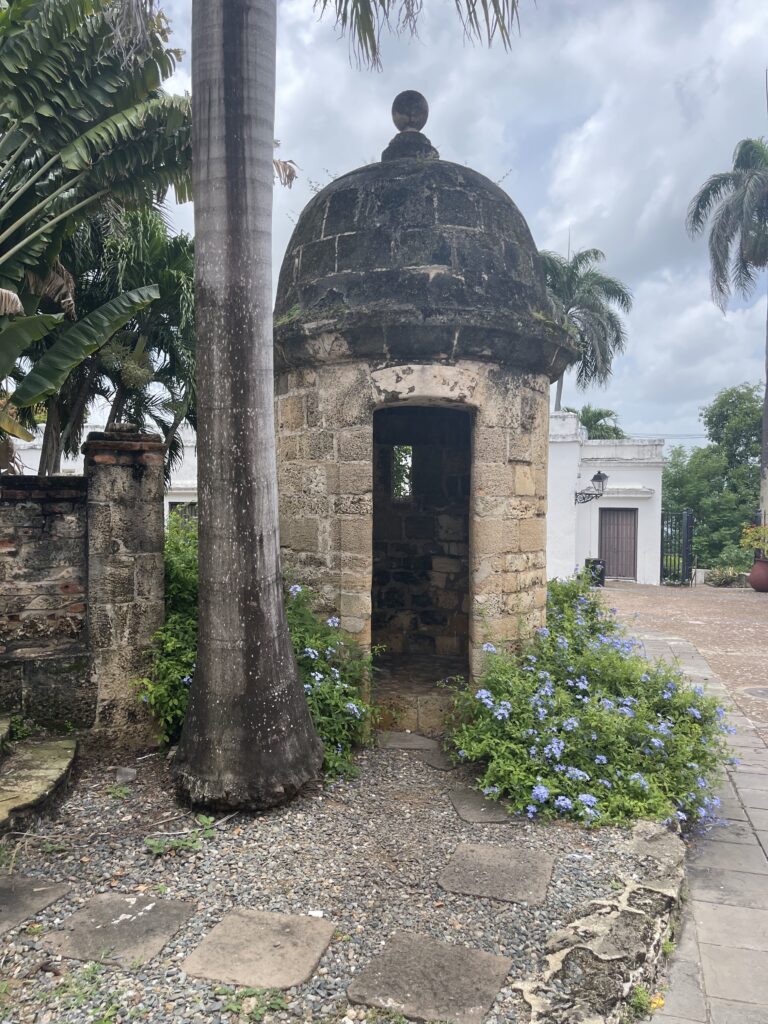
(729, 627)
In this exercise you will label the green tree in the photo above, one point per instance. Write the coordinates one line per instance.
(83, 127)
(735, 203)
(248, 740)
(591, 304)
(600, 424)
(720, 481)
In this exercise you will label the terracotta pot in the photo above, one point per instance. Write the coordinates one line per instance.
(758, 577)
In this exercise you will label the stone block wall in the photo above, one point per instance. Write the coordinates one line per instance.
(325, 470)
(81, 565)
(421, 543)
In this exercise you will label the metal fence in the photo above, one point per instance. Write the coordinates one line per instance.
(677, 563)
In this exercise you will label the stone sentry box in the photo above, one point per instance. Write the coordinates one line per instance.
(81, 566)
(414, 284)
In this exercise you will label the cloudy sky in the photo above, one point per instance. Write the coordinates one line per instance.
(601, 122)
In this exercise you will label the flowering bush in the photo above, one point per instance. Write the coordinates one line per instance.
(579, 725)
(332, 666)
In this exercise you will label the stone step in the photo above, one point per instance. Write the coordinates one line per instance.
(30, 777)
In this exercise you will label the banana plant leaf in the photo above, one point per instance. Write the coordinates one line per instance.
(20, 333)
(11, 426)
(77, 341)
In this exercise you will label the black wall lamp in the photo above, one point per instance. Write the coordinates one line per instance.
(595, 491)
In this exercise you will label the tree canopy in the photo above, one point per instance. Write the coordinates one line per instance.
(600, 424)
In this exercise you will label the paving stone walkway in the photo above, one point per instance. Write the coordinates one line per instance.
(719, 972)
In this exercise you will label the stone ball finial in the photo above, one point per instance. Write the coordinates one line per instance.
(410, 111)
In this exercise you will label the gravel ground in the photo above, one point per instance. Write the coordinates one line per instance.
(365, 852)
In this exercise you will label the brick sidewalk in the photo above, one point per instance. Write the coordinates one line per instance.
(719, 971)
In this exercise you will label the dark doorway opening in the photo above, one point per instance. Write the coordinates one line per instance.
(420, 598)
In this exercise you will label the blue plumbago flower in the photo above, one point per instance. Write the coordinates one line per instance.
(489, 648)
(562, 641)
(582, 683)
(317, 676)
(601, 759)
(657, 743)
(354, 709)
(541, 713)
(310, 652)
(593, 735)
(640, 780)
(694, 712)
(730, 729)
(502, 710)
(606, 783)
(532, 658)
(577, 774)
(490, 791)
(461, 753)
(720, 712)
(533, 751)
(590, 812)
(587, 799)
(531, 732)
(614, 611)
(145, 698)
(330, 651)
(664, 728)
(543, 631)
(570, 724)
(563, 803)
(701, 782)
(334, 622)
(186, 680)
(681, 816)
(699, 691)
(645, 678)
(554, 749)
(626, 711)
(531, 810)
(606, 704)
(295, 590)
(734, 760)
(579, 620)
(307, 688)
(539, 793)
(485, 698)
(339, 748)
(336, 674)
(559, 767)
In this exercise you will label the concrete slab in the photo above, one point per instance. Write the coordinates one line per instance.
(723, 1011)
(756, 799)
(731, 857)
(762, 838)
(750, 780)
(731, 926)
(687, 945)
(436, 759)
(685, 996)
(756, 764)
(22, 898)
(257, 949)
(739, 832)
(472, 806)
(737, 974)
(735, 888)
(124, 929)
(427, 980)
(732, 810)
(498, 873)
(759, 819)
(406, 741)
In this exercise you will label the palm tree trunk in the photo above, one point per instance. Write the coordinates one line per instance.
(50, 452)
(559, 393)
(248, 739)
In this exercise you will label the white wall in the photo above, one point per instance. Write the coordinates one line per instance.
(634, 469)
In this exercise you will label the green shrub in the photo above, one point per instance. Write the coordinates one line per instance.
(578, 725)
(722, 576)
(333, 667)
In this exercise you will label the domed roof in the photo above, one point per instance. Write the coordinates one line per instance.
(415, 259)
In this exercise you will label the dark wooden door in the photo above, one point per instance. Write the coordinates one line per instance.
(618, 542)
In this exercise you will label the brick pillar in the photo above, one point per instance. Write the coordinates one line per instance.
(124, 473)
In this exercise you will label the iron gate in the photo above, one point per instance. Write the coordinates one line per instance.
(677, 547)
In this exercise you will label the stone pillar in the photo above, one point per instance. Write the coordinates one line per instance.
(124, 473)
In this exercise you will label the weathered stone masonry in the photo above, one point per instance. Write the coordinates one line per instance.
(415, 282)
(81, 565)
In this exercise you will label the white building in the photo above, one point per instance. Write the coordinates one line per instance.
(623, 526)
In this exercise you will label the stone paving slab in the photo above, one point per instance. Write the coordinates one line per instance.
(759, 819)
(739, 832)
(732, 810)
(731, 926)
(406, 741)
(731, 888)
(732, 857)
(428, 980)
(723, 1011)
(128, 929)
(685, 996)
(21, 898)
(471, 806)
(736, 974)
(750, 780)
(754, 799)
(436, 759)
(258, 949)
(498, 873)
